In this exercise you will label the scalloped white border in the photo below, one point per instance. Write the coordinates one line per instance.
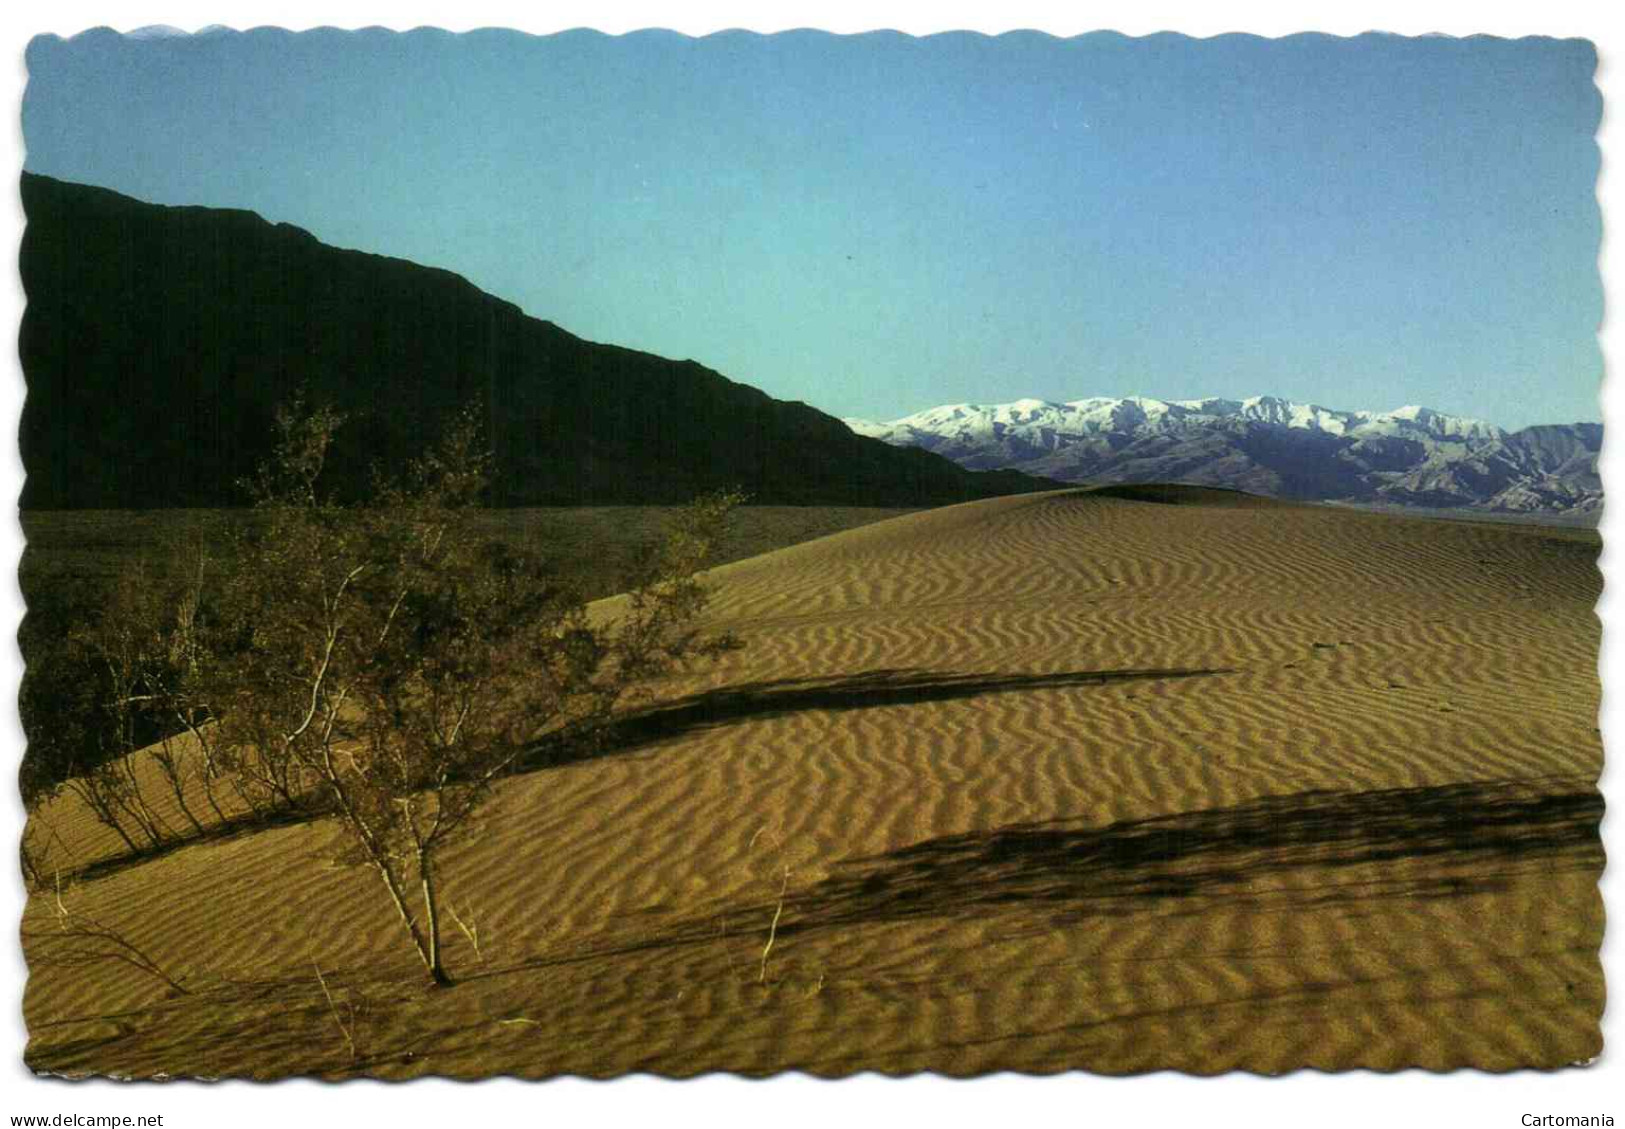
(1411, 1099)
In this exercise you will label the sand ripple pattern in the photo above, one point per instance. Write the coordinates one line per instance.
(918, 701)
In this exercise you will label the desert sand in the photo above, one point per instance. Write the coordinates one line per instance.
(1115, 780)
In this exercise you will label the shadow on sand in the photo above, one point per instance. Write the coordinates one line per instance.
(871, 689)
(1070, 867)
(1442, 841)
(650, 725)
(1413, 843)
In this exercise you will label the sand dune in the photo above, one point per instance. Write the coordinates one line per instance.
(1120, 780)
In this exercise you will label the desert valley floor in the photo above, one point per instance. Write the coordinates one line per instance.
(1118, 780)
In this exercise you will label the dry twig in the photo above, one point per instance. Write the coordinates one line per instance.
(332, 1006)
(773, 930)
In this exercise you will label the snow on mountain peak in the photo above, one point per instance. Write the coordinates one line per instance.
(1264, 443)
(1436, 423)
(1097, 415)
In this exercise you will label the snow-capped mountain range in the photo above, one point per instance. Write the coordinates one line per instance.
(1412, 455)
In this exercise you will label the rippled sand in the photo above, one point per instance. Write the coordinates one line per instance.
(1121, 780)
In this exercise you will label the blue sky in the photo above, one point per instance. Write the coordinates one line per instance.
(877, 224)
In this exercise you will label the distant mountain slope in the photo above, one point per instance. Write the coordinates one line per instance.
(1270, 446)
(157, 341)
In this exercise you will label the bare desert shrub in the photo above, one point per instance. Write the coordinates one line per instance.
(382, 661)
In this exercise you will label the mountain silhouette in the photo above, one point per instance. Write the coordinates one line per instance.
(158, 341)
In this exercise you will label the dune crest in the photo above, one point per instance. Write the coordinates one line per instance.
(1120, 780)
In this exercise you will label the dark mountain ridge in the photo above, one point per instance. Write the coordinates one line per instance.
(158, 340)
